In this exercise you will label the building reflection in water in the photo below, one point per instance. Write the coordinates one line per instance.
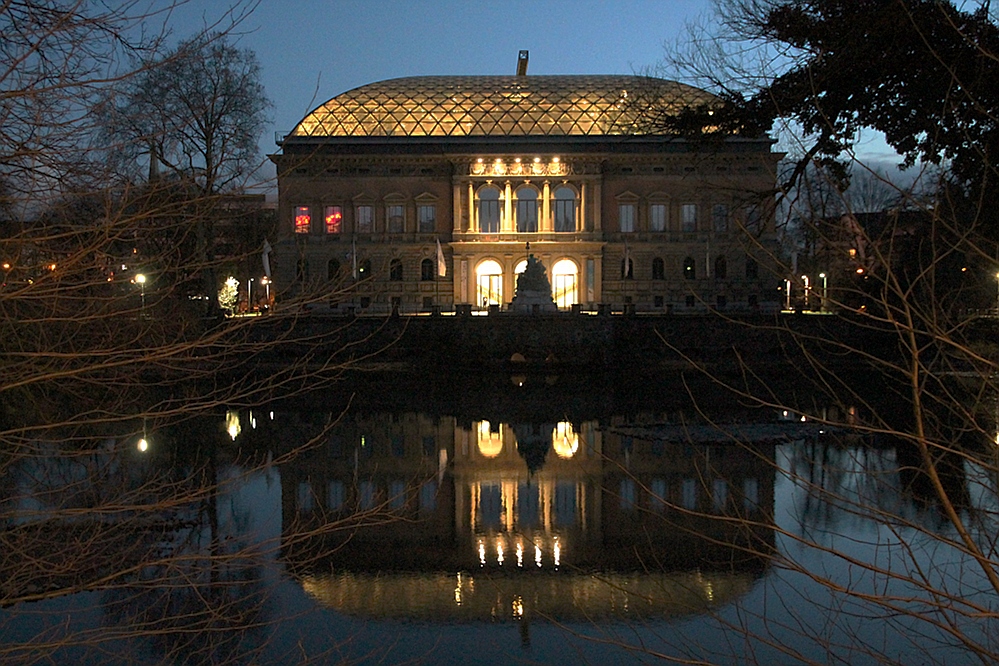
(411, 516)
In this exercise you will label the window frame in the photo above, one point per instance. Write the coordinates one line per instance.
(688, 217)
(333, 220)
(564, 211)
(422, 221)
(658, 223)
(301, 218)
(364, 218)
(488, 210)
(627, 214)
(395, 218)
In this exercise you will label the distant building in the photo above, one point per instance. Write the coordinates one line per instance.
(373, 179)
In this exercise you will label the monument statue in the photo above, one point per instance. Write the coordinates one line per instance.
(534, 291)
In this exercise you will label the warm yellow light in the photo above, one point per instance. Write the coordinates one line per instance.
(822, 275)
(565, 441)
(143, 445)
(6, 266)
(52, 267)
(140, 279)
(490, 443)
(518, 607)
(555, 160)
(860, 271)
(232, 424)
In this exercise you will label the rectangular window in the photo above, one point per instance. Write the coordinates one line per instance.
(565, 215)
(527, 215)
(427, 217)
(396, 219)
(626, 217)
(334, 219)
(365, 218)
(719, 217)
(657, 217)
(489, 216)
(303, 220)
(688, 217)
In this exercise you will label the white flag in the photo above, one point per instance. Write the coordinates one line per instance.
(441, 264)
(266, 259)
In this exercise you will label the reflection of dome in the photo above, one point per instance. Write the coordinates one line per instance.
(595, 105)
(561, 595)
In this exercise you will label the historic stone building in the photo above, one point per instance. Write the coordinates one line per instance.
(375, 180)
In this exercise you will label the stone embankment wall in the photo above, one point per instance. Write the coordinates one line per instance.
(563, 340)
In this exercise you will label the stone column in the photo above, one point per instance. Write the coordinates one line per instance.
(545, 223)
(456, 209)
(507, 224)
(584, 199)
(473, 223)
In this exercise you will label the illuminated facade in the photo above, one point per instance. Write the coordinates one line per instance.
(371, 181)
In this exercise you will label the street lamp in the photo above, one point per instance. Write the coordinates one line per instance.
(804, 278)
(140, 279)
(249, 295)
(825, 292)
(266, 281)
(787, 294)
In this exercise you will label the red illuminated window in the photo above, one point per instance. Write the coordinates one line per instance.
(303, 220)
(334, 218)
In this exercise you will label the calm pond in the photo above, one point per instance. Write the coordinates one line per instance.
(507, 519)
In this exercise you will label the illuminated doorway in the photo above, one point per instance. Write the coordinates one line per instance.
(565, 283)
(489, 283)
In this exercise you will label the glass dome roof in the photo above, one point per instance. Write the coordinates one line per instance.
(501, 106)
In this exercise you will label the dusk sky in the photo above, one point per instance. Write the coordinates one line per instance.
(312, 50)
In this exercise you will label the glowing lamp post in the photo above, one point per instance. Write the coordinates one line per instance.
(804, 278)
(825, 292)
(266, 281)
(140, 279)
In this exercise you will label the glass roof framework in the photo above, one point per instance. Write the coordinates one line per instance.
(424, 106)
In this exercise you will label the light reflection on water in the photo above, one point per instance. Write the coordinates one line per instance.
(387, 534)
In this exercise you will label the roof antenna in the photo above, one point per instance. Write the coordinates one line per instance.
(522, 63)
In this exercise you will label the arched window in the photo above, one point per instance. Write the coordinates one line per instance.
(627, 268)
(689, 268)
(332, 269)
(527, 210)
(427, 270)
(721, 267)
(565, 209)
(489, 210)
(489, 283)
(565, 283)
(395, 270)
(658, 269)
(752, 268)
